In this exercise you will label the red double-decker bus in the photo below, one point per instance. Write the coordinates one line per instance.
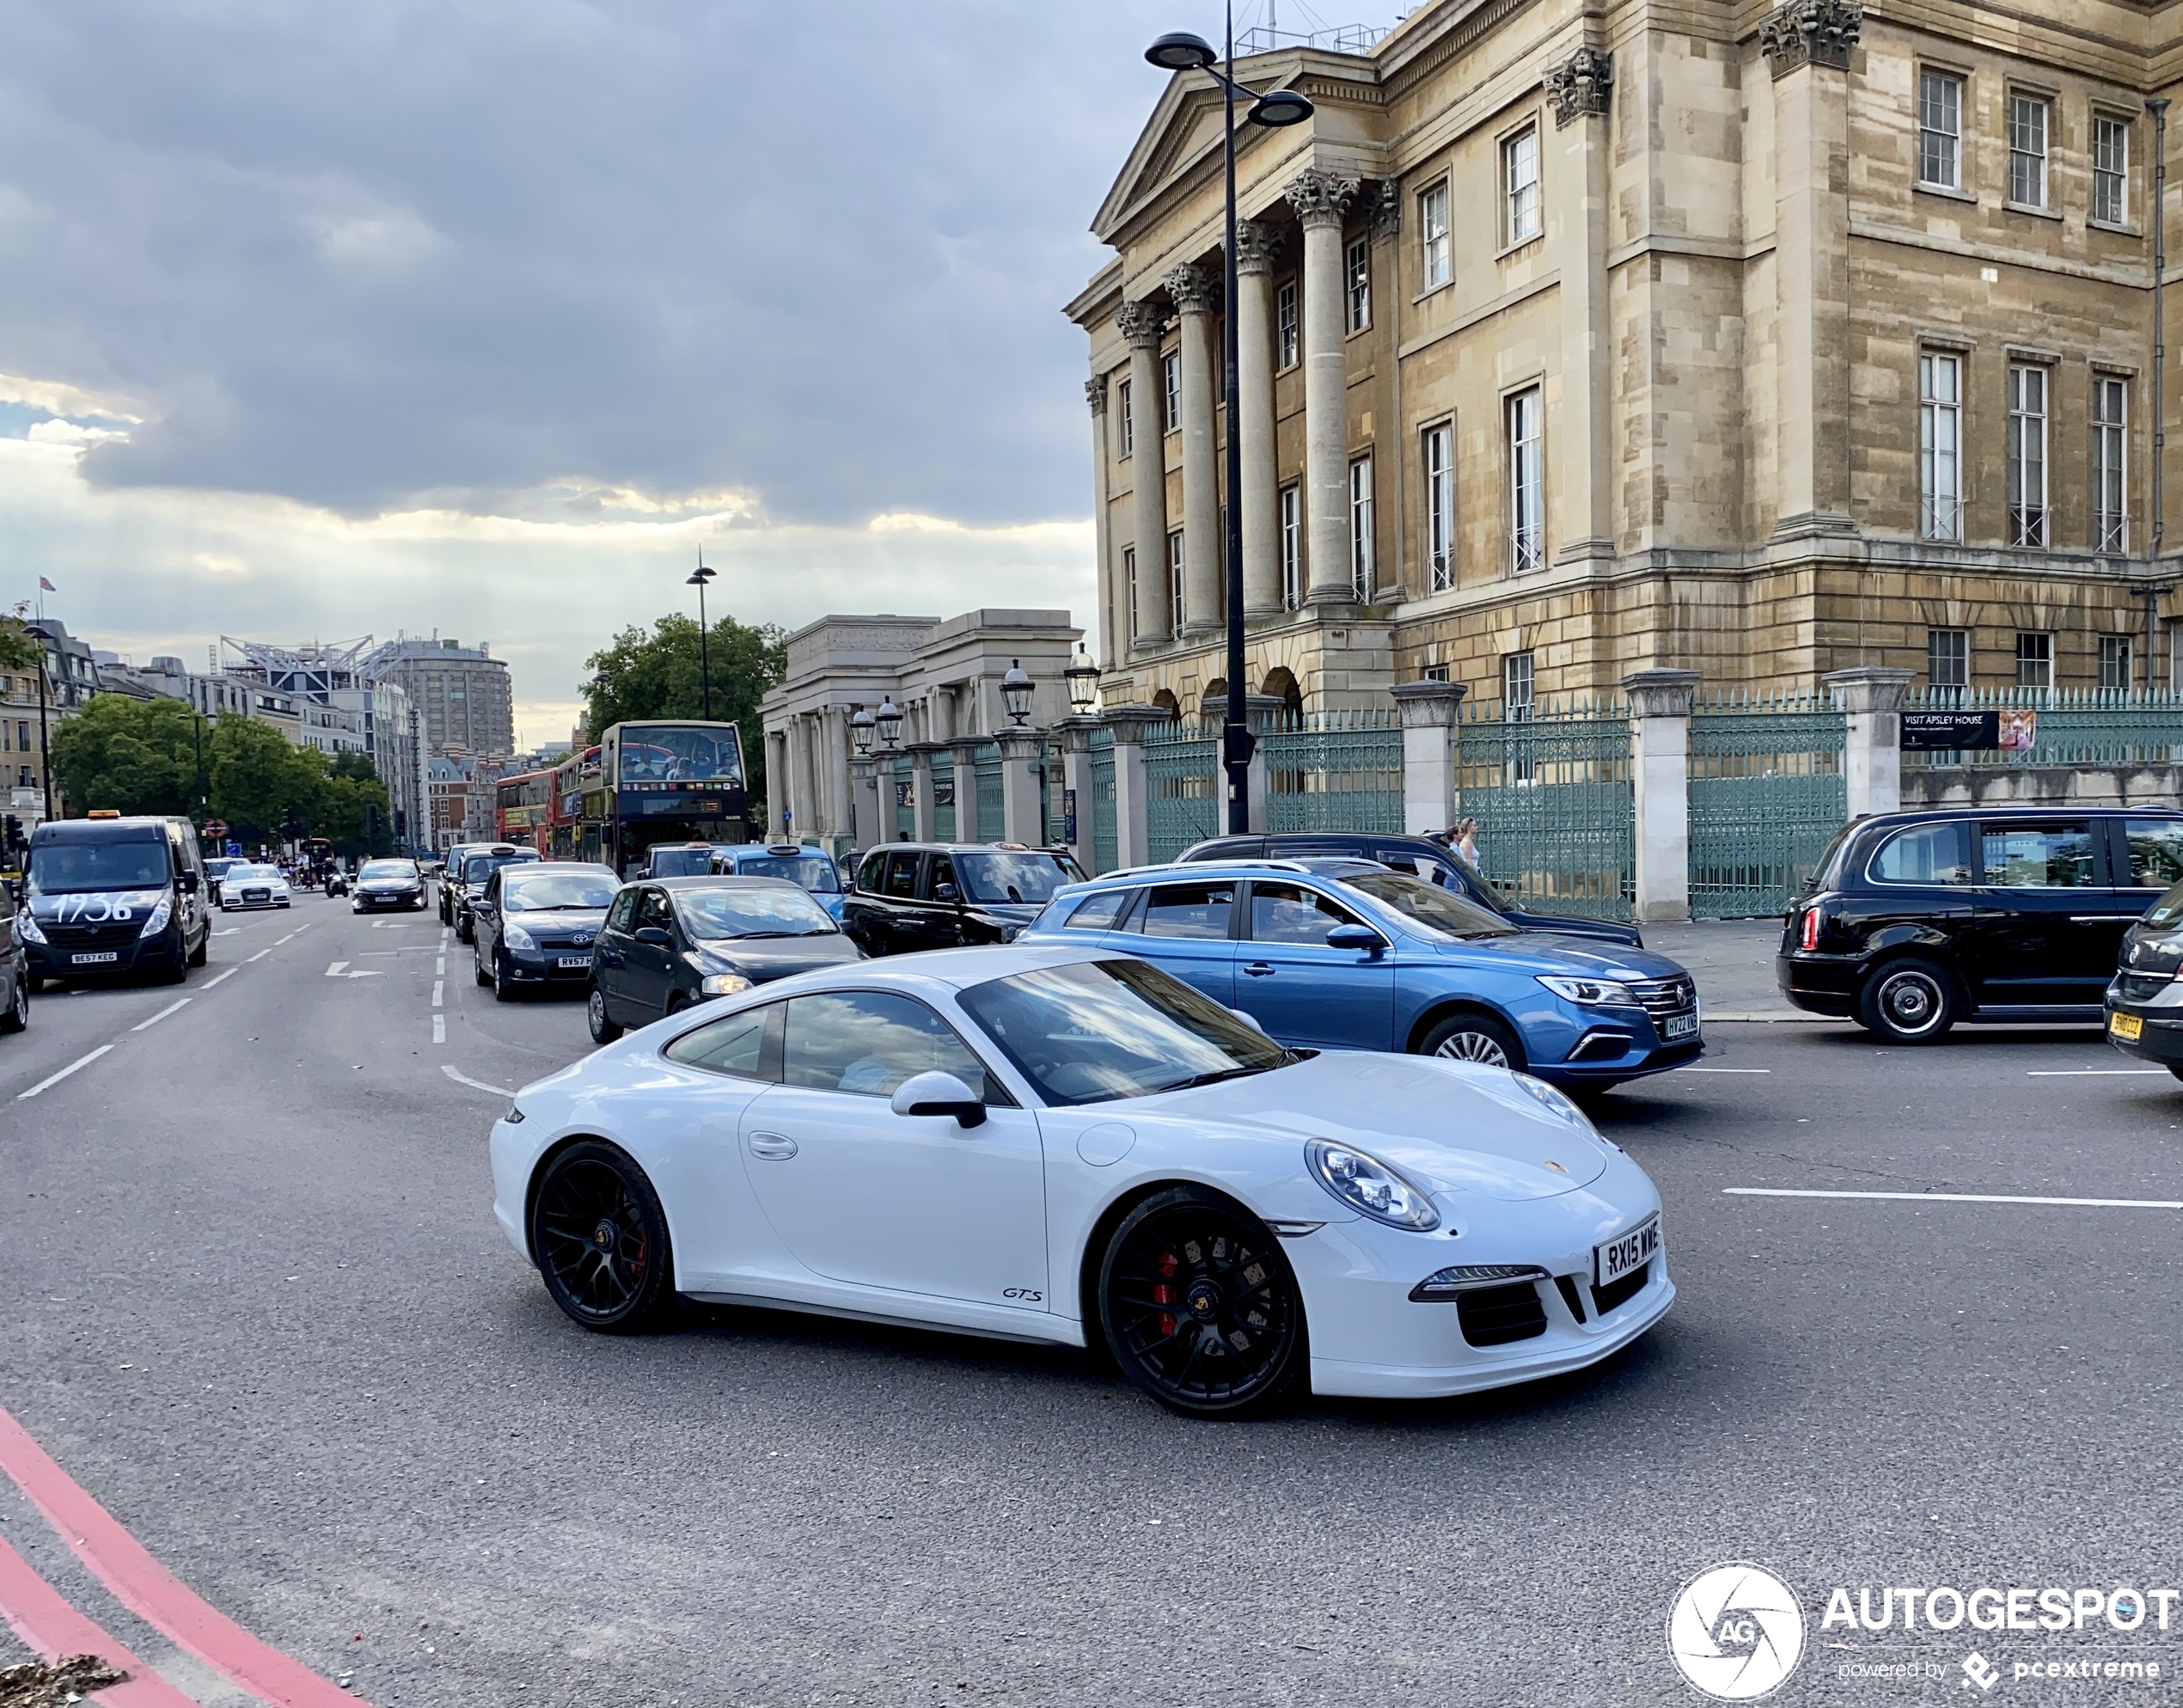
(523, 809)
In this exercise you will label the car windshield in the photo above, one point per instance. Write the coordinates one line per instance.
(1101, 1029)
(215, 868)
(1428, 905)
(384, 870)
(709, 915)
(478, 867)
(249, 873)
(76, 868)
(681, 862)
(541, 892)
(813, 872)
(1008, 876)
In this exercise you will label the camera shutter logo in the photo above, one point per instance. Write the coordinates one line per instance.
(1736, 1633)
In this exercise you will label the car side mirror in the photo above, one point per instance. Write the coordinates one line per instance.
(189, 883)
(655, 935)
(1251, 1020)
(937, 1094)
(1356, 937)
(944, 892)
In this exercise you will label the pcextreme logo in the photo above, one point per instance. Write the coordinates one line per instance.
(1736, 1631)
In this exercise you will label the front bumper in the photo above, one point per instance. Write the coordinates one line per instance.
(366, 900)
(1820, 984)
(542, 966)
(238, 903)
(131, 954)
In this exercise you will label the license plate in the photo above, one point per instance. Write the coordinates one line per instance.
(94, 960)
(2128, 1027)
(1626, 1253)
(570, 962)
(1680, 1026)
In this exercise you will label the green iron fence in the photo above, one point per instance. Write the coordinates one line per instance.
(1767, 794)
(987, 768)
(2088, 726)
(1335, 771)
(898, 789)
(1550, 789)
(944, 797)
(1183, 784)
(1105, 853)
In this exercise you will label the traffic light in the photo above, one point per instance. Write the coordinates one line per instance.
(291, 827)
(371, 820)
(13, 838)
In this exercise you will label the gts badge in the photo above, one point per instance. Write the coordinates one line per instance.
(1024, 1295)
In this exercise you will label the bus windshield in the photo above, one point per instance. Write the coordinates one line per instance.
(654, 753)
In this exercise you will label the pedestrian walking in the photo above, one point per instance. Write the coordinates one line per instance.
(1463, 837)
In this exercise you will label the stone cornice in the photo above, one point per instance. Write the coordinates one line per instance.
(1811, 33)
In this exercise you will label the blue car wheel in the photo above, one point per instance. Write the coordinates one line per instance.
(1474, 1038)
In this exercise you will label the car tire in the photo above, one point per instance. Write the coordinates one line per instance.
(1908, 1001)
(203, 953)
(463, 933)
(1474, 1038)
(33, 984)
(16, 1015)
(503, 989)
(477, 970)
(603, 1029)
(2176, 1068)
(599, 1237)
(1248, 1293)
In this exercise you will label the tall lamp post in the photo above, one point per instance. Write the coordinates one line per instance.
(704, 644)
(44, 764)
(1180, 52)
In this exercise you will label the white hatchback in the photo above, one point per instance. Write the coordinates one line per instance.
(1054, 1143)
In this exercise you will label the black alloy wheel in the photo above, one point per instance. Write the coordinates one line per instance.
(600, 1237)
(1200, 1308)
(16, 1015)
(1908, 1001)
(604, 1029)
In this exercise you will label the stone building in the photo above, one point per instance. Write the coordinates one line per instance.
(1577, 340)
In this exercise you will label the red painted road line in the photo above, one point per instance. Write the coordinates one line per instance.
(154, 1593)
(54, 1629)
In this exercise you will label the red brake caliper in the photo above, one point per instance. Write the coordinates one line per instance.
(1164, 1292)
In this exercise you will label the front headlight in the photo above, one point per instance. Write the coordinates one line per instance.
(1591, 993)
(27, 928)
(723, 983)
(1364, 1183)
(160, 915)
(516, 938)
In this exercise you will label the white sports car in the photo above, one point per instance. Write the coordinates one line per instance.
(1059, 1144)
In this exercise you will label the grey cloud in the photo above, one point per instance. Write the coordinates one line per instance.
(359, 254)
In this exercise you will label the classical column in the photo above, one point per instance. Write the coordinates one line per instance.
(777, 785)
(1095, 393)
(1581, 486)
(1429, 779)
(1322, 203)
(803, 798)
(1255, 246)
(1660, 775)
(1197, 294)
(1871, 696)
(921, 788)
(1141, 323)
(834, 738)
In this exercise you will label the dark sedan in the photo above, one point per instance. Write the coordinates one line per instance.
(388, 884)
(670, 942)
(914, 896)
(2144, 1004)
(1420, 856)
(534, 927)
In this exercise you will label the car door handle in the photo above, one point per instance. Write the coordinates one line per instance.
(1258, 969)
(2100, 919)
(777, 1146)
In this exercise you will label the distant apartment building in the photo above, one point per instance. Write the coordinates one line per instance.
(462, 693)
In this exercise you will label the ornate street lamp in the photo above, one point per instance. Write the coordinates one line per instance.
(889, 722)
(860, 727)
(1083, 679)
(1182, 51)
(1015, 692)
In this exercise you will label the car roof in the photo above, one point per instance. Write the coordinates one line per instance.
(1198, 870)
(1927, 815)
(719, 880)
(964, 848)
(577, 866)
(142, 828)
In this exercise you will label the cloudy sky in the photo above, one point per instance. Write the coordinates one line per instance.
(481, 316)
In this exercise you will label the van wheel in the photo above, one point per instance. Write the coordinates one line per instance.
(203, 949)
(1908, 1001)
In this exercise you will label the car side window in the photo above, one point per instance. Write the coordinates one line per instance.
(736, 1046)
(872, 874)
(2040, 856)
(1098, 912)
(1924, 854)
(1290, 913)
(2155, 852)
(652, 909)
(621, 914)
(900, 879)
(944, 872)
(1188, 910)
(1402, 860)
(868, 1042)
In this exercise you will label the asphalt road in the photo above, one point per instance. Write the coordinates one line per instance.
(256, 1304)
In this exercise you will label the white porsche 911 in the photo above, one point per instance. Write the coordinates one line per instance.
(1060, 1144)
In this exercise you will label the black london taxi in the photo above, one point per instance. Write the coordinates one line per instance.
(1916, 921)
(108, 896)
(913, 896)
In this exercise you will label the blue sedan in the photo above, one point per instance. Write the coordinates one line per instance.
(806, 863)
(1342, 954)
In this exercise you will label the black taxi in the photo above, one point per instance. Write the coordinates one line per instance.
(913, 896)
(1916, 921)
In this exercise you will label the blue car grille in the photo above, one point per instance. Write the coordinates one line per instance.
(1662, 997)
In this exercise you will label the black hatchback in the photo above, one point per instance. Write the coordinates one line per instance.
(2145, 1002)
(913, 896)
(1918, 920)
(1421, 856)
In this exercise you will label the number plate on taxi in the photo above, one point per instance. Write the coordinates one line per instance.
(1627, 1252)
(94, 960)
(2128, 1027)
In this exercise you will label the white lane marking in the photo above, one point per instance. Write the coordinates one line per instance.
(334, 971)
(465, 1079)
(440, 965)
(278, 941)
(302, 928)
(259, 955)
(80, 1062)
(439, 1029)
(1958, 1199)
(229, 974)
(1722, 1070)
(228, 931)
(171, 1009)
(2091, 1073)
(437, 987)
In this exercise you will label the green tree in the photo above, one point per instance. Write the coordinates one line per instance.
(659, 674)
(18, 652)
(134, 755)
(351, 786)
(258, 777)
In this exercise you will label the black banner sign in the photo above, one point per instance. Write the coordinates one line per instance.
(2013, 728)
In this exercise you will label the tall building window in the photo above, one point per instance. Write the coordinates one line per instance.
(1129, 423)
(2110, 170)
(1519, 186)
(1947, 662)
(1433, 233)
(1519, 682)
(1940, 446)
(1130, 578)
(2114, 661)
(2028, 117)
(1439, 505)
(1285, 344)
(1292, 548)
(2035, 661)
(1939, 130)
(2027, 456)
(1175, 582)
(1170, 378)
(1526, 483)
(2110, 441)
(1360, 528)
(1356, 268)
